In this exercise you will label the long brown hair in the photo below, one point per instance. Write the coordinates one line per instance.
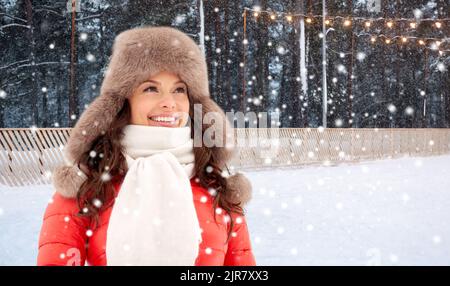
(106, 164)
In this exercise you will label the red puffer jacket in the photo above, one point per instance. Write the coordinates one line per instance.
(67, 239)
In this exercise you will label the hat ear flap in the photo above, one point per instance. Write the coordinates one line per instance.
(239, 189)
(67, 180)
(94, 122)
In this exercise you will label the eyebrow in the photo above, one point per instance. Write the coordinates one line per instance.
(158, 83)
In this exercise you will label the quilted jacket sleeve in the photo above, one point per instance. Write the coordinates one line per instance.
(62, 240)
(239, 251)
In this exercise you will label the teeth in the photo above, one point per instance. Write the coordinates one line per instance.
(164, 119)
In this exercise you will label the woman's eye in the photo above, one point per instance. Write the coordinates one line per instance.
(150, 89)
(180, 89)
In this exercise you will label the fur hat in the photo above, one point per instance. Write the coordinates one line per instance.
(137, 54)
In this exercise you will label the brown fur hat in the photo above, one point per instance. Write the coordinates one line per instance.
(136, 55)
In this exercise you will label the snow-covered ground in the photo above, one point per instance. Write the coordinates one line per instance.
(392, 212)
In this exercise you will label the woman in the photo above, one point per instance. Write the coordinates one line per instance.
(135, 189)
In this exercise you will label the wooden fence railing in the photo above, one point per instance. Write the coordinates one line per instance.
(28, 156)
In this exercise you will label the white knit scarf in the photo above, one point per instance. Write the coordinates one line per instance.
(154, 221)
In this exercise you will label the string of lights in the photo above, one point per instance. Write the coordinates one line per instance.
(389, 21)
(431, 43)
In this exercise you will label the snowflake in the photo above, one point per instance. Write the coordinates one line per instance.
(393, 258)
(280, 230)
(267, 212)
(418, 13)
(360, 56)
(212, 191)
(157, 221)
(440, 66)
(341, 68)
(281, 50)
(338, 122)
(257, 8)
(392, 108)
(418, 163)
(294, 251)
(409, 110)
(2, 93)
(105, 177)
(405, 197)
(83, 37)
(33, 128)
(256, 101)
(51, 46)
(90, 57)
(436, 239)
(180, 19)
(97, 203)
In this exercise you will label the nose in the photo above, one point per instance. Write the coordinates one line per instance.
(167, 101)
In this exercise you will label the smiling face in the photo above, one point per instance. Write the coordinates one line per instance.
(162, 100)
